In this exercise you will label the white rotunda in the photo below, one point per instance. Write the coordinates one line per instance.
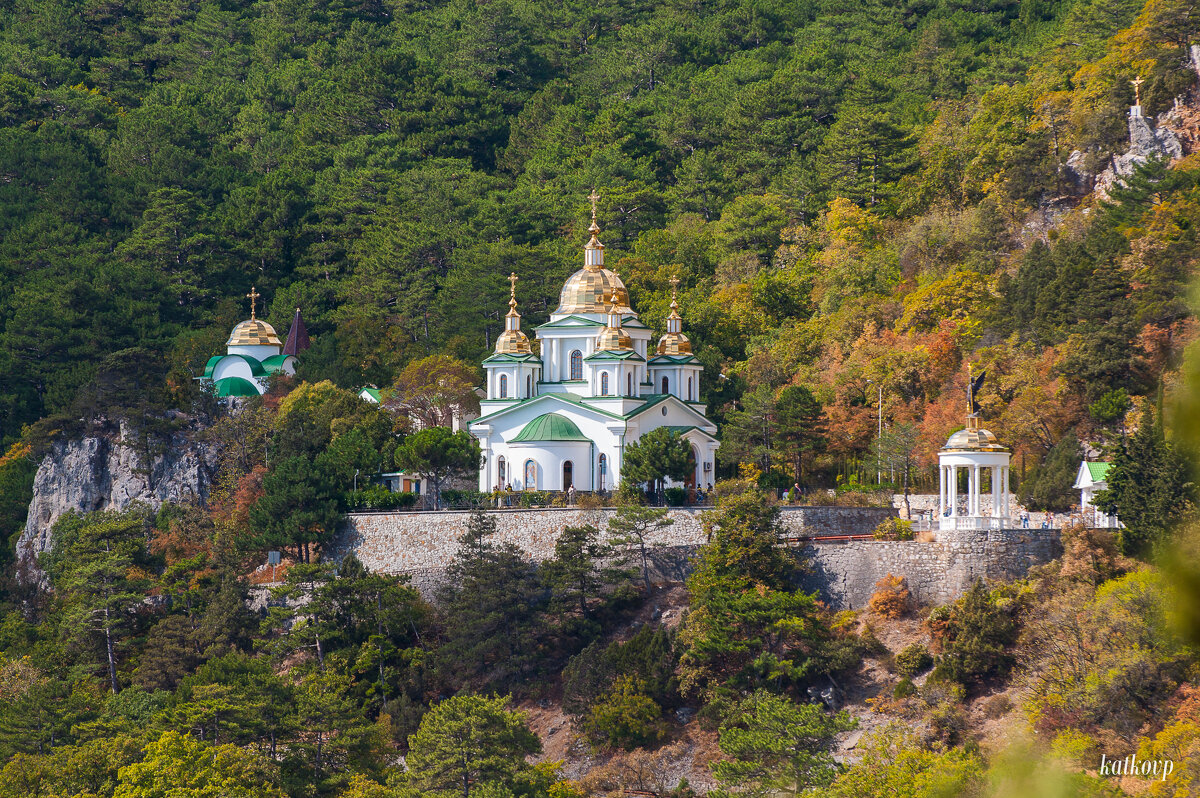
(976, 451)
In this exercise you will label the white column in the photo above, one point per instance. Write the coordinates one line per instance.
(953, 491)
(976, 489)
(941, 490)
(1007, 494)
(995, 492)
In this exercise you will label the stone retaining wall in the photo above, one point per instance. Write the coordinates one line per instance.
(423, 544)
(406, 542)
(937, 573)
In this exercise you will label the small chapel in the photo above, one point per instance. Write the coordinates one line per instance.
(559, 411)
(252, 354)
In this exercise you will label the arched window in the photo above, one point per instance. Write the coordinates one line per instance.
(501, 475)
(530, 475)
(689, 389)
(503, 386)
(664, 390)
(576, 365)
(603, 471)
(528, 386)
(604, 383)
(629, 384)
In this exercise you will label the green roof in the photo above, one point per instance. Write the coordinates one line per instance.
(506, 358)
(371, 392)
(275, 363)
(655, 359)
(1098, 471)
(256, 366)
(211, 364)
(610, 354)
(235, 386)
(549, 427)
(570, 321)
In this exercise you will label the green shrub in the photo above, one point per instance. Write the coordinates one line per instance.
(904, 689)
(894, 529)
(676, 497)
(625, 718)
(377, 497)
(464, 499)
(976, 637)
(535, 498)
(913, 660)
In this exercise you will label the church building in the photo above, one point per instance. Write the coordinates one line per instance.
(252, 354)
(562, 416)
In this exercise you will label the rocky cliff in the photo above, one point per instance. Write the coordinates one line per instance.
(105, 472)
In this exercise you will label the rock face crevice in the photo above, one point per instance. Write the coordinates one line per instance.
(107, 473)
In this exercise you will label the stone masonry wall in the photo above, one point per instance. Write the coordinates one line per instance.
(423, 544)
(937, 573)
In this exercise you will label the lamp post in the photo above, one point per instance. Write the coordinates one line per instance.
(878, 433)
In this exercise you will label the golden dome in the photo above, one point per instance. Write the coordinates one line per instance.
(974, 439)
(614, 339)
(253, 332)
(588, 290)
(513, 342)
(674, 344)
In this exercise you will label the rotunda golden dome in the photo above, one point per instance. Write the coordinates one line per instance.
(974, 439)
(253, 332)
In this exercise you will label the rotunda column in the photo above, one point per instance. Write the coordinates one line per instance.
(953, 490)
(995, 513)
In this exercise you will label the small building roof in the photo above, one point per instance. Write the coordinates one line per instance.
(372, 392)
(1091, 474)
(549, 427)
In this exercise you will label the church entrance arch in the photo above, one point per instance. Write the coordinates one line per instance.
(568, 469)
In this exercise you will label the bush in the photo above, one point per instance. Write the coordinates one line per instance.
(625, 718)
(894, 529)
(589, 501)
(377, 497)
(976, 638)
(535, 498)
(891, 598)
(460, 499)
(913, 660)
(904, 689)
(997, 706)
(676, 497)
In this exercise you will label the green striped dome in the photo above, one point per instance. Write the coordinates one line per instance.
(235, 386)
(550, 427)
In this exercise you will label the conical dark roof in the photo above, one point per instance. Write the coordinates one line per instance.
(297, 340)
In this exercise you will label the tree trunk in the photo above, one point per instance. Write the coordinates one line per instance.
(112, 659)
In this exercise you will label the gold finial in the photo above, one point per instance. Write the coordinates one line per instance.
(594, 197)
(512, 293)
(253, 295)
(1137, 89)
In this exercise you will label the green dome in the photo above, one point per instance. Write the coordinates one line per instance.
(236, 386)
(274, 363)
(550, 427)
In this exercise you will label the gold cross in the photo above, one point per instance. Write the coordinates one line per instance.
(253, 295)
(1137, 90)
(512, 281)
(674, 285)
(594, 197)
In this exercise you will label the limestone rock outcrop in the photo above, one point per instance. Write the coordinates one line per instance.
(107, 472)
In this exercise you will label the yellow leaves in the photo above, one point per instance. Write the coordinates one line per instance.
(17, 451)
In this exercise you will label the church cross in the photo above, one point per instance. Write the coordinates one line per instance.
(512, 282)
(594, 197)
(1137, 89)
(674, 286)
(253, 295)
